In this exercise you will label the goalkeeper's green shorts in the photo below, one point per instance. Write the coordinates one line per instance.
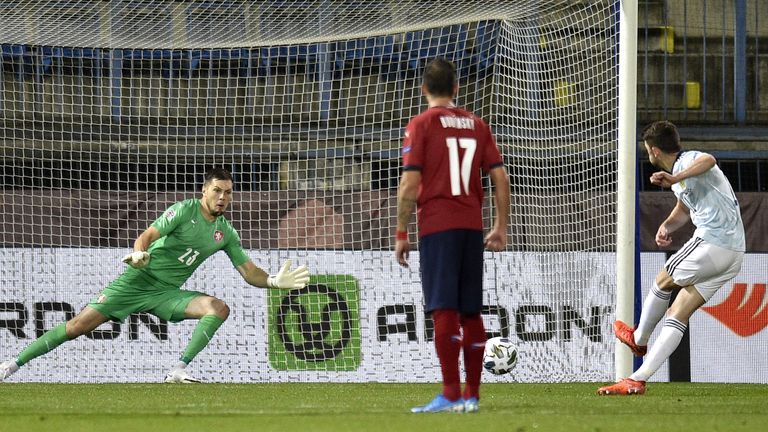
(132, 293)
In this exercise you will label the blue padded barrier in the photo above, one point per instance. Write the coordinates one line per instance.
(373, 49)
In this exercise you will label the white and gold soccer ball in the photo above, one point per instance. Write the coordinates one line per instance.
(500, 355)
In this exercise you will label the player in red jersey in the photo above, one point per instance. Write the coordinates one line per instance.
(444, 150)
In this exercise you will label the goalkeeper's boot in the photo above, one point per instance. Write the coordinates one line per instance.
(440, 404)
(471, 405)
(627, 386)
(7, 369)
(626, 335)
(178, 375)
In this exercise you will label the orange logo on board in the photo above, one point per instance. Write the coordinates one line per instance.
(743, 316)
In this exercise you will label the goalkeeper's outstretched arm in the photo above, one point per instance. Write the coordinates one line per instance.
(140, 257)
(284, 279)
(145, 239)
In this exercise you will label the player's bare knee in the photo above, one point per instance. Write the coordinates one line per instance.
(76, 328)
(678, 313)
(688, 301)
(219, 308)
(71, 330)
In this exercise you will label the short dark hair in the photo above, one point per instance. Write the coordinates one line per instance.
(440, 77)
(217, 173)
(662, 134)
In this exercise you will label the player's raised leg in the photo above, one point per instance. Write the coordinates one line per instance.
(687, 302)
(212, 313)
(87, 320)
(654, 307)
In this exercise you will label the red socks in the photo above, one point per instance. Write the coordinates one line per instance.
(474, 345)
(448, 344)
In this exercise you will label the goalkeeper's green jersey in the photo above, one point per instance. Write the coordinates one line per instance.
(187, 239)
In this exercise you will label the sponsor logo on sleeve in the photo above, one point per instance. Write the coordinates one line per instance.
(170, 214)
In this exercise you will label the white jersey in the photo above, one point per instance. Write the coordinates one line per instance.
(712, 204)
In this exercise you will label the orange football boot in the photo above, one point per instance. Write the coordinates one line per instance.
(626, 386)
(626, 335)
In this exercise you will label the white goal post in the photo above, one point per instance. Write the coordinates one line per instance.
(626, 247)
(113, 110)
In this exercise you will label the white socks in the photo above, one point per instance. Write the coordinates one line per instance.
(654, 307)
(662, 348)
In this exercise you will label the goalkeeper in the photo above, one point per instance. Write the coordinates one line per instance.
(163, 258)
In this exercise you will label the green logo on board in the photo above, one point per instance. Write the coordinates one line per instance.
(316, 327)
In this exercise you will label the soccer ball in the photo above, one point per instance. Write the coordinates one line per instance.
(500, 355)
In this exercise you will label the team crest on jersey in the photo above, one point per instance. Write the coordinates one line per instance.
(170, 214)
(218, 236)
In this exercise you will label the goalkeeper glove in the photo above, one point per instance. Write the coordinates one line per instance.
(289, 279)
(137, 259)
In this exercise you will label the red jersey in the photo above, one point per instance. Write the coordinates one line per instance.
(449, 146)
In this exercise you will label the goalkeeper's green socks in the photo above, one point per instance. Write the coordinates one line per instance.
(202, 334)
(45, 343)
(54, 337)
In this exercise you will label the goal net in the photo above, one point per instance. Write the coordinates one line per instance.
(112, 111)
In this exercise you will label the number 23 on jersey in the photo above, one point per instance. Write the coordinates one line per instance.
(189, 256)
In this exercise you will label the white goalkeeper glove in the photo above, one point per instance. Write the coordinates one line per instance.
(289, 279)
(137, 259)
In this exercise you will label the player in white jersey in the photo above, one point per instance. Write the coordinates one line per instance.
(705, 263)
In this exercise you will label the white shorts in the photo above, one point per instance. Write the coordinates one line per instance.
(705, 266)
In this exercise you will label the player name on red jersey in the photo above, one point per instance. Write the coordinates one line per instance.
(457, 122)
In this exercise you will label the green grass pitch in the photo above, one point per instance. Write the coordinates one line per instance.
(375, 407)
